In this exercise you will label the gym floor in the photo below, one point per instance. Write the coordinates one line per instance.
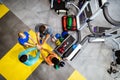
(92, 61)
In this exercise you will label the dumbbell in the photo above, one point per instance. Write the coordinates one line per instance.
(58, 42)
(61, 64)
(117, 53)
(61, 50)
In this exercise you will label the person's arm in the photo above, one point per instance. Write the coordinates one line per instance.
(43, 56)
(46, 38)
(27, 51)
(32, 60)
(28, 37)
(29, 44)
(50, 52)
(38, 37)
(39, 47)
(32, 39)
(45, 59)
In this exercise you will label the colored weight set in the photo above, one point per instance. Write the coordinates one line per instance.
(58, 38)
(69, 23)
(63, 47)
(61, 50)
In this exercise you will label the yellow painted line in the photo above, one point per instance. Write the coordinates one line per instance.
(12, 69)
(76, 76)
(3, 10)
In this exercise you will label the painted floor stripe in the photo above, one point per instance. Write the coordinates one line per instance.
(76, 76)
(3, 10)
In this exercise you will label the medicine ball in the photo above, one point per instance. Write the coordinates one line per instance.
(57, 35)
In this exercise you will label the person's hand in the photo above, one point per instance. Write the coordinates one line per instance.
(35, 44)
(38, 37)
(48, 35)
(38, 33)
(39, 47)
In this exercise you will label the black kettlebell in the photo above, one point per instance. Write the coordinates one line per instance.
(61, 64)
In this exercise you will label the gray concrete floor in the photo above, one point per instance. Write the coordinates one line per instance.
(94, 59)
(8, 32)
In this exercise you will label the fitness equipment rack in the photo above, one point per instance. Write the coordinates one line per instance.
(70, 54)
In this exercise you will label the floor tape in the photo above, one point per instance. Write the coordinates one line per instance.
(76, 76)
(3, 10)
